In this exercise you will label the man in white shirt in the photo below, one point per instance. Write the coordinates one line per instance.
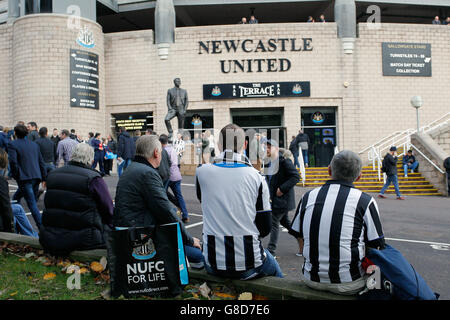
(236, 212)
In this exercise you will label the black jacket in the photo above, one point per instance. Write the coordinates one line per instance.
(112, 145)
(390, 164)
(447, 165)
(70, 220)
(286, 178)
(303, 137)
(6, 216)
(293, 147)
(48, 149)
(164, 166)
(141, 199)
(126, 147)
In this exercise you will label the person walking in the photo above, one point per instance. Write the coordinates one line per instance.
(55, 137)
(65, 147)
(32, 131)
(293, 147)
(99, 153)
(447, 168)
(390, 168)
(303, 145)
(126, 150)
(28, 169)
(175, 176)
(48, 149)
(281, 176)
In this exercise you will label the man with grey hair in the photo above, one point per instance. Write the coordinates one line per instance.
(141, 199)
(78, 206)
(336, 222)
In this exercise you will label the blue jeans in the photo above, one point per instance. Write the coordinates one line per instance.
(49, 166)
(269, 268)
(412, 166)
(394, 180)
(305, 156)
(176, 188)
(123, 166)
(21, 222)
(29, 190)
(194, 256)
(296, 163)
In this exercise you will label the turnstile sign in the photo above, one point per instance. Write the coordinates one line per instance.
(406, 59)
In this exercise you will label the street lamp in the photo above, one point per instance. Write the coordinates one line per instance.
(417, 102)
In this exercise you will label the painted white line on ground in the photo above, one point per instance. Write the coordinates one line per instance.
(188, 184)
(194, 225)
(418, 241)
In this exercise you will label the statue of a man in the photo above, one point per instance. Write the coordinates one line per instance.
(177, 104)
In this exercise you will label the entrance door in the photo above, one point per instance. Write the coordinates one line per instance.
(319, 123)
(268, 121)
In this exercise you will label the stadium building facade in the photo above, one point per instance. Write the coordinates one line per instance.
(345, 82)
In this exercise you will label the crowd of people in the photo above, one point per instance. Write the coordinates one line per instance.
(240, 205)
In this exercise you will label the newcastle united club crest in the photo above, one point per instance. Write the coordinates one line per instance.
(297, 89)
(86, 37)
(145, 251)
(216, 91)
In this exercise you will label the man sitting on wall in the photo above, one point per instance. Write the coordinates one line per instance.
(236, 212)
(337, 222)
(409, 162)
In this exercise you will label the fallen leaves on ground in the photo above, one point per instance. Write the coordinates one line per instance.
(49, 276)
(245, 296)
(97, 267)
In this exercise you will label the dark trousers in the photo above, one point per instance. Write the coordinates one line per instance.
(107, 164)
(279, 216)
(98, 158)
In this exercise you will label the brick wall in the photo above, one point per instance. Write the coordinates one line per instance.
(6, 109)
(133, 78)
(40, 63)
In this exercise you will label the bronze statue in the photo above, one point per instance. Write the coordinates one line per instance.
(177, 103)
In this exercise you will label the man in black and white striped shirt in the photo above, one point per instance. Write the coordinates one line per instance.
(236, 212)
(337, 222)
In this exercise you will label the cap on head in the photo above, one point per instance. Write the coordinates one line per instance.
(272, 142)
(393, 148)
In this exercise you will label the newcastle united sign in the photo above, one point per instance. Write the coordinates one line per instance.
(256, 90)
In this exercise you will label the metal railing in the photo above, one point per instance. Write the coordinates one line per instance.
(302, 167)
(401, 139)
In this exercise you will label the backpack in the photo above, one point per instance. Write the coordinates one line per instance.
(399, 280)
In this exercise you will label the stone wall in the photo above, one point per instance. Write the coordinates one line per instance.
(435, 153)
(38, 71)
(442, 137)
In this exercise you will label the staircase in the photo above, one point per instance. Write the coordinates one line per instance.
(415, 184)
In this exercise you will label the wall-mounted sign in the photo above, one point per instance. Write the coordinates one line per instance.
(256, 90)
(132, 122)
(83, 79)
(406, 59)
